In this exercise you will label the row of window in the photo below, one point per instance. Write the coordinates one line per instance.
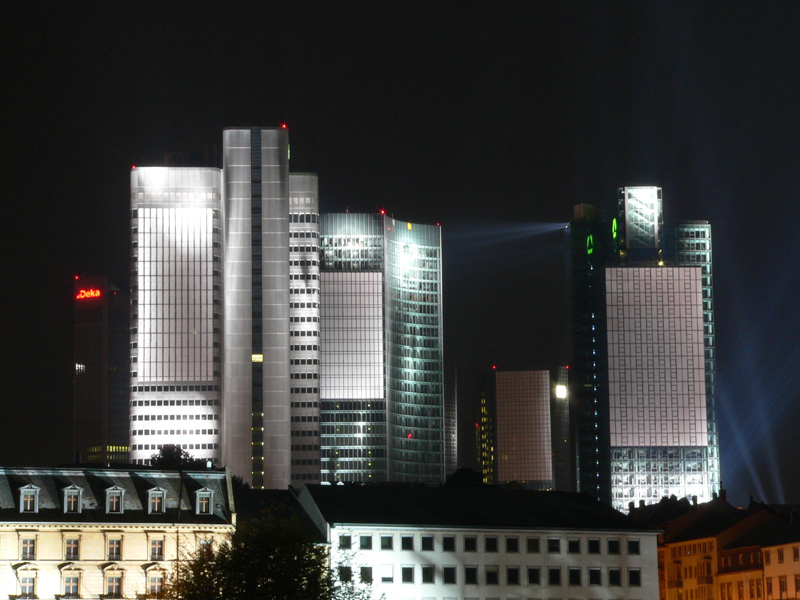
(303, 249)
(175, 432)
(190, 417)
(492, 575)
(304, 390)
(113, 585)
(304, 234)
(304, 347)
(177, 388)
(73, 501)
(114, 546)
(491, 543)
(779, 551)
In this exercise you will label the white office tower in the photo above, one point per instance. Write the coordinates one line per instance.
(176, 311)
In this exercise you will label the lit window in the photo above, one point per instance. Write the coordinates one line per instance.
(71, 549)
(157, 549)
(115, 549)
(204, 499)
(29, 499)
(71, 586)
(27, 587)
(156, 503)
(29, 549)
(114, 586)
(156, 583)
(114, 500)
(72, 500)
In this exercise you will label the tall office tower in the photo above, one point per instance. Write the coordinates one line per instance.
(530, 413)
(176, 311)
(640, 370)
(451, 429)
(382, 380)
(304, 327)
(485, 438)
(256, 386)
(100, 402)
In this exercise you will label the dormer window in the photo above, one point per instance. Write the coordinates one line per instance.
(204, 501)
(72, 499)
(156, 501)
(29, 499)
(114, 498)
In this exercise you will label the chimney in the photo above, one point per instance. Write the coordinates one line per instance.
(694, 500)
(641, 503)
(723, 493)
(631, 506)
(713, 495)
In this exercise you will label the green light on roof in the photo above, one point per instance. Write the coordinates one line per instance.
(589, 244)
(614, 228)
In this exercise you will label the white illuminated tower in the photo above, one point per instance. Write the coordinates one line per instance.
(176, 311)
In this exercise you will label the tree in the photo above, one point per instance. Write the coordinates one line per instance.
(170, 456)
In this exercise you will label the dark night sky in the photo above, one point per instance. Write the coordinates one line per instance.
(493, 119)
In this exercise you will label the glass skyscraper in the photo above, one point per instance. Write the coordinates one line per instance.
(382, 372)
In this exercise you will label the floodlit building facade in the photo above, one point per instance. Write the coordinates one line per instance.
(382, 386)
(101, 393)
(105, 533)
(643, 355)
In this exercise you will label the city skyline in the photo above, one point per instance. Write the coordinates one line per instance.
(497, 139)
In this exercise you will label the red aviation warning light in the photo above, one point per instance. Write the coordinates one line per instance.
(409, 436)
(86, 294)
(283, 125)
(383, 211)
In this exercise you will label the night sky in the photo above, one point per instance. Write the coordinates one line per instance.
(491, 118)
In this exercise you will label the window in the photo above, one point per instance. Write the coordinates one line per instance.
(470, 543)
(554, 575)
(115, 549)
(71, 549)
(512, 575)
(114, 586)
(427, 542)
(27, 587)
(766, 557)
(29, 549)
(613, 546)
(345, 542)
(407, 574)
(156, 583)
(594, 546)
(407, 542)
(769, 586)
(492, 575)
(782, 585)
(490, 544)
(534, 576)
(635, 579)
(796, 557)
(780, 556)
(72, 500)
(449, 543)
(365, 542)
(387, 573)
(512, 544)
(594, 576)
(345, 574)
(553, 545)
(156, 502)
(204, 498)
(114, 501)
(157, 549)
(449, 574)
(29, 499)
(533, 545)
(71, 586)
(575, 576)
(471, 575)
(366, 574)
(574, 546)
(615, 577)
(633, 546)
(427, 574)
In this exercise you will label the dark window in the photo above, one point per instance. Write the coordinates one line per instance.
(344, 542)
(512, 544)
(594, 546)
(614, 577)
(512, 575)
(613, 546)
(492, 577)
(574, 576)
(470, 543)
(427, 574)
(366, 574)
(345, 574)
(534, 576)
(533, 545)
(407, 542)
(365, 542)
(491, 544)
(635, 579)
(449, 574)
(449, 543)
(574, 546)
(633, 546)
(470, 574)
(553, 545)
(554, 576)
(594, 576)
(427, 542)
(386, 542)
(407, 574)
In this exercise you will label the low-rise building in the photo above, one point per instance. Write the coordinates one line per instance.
(481, 542)
(105, 533)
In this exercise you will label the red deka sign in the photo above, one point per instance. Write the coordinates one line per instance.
(86, 294)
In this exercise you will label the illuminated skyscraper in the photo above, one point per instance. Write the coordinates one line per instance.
(100, 409)
(643, 354)
(382, 381)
